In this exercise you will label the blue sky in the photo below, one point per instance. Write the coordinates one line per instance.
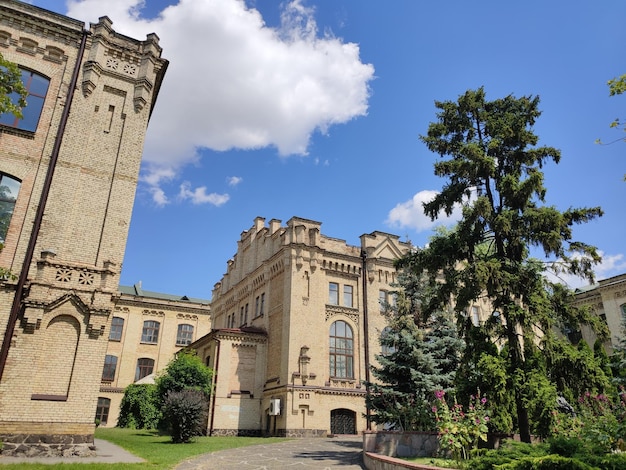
(314, 108)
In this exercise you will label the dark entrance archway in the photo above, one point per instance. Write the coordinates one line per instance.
(342, 421)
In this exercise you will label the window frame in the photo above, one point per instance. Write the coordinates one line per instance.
(348, 296)
(110, 368)
(333, 293)
(150, 332)
(184, 338)
(35, 103)
(115, 325)
(341, 350)
(144, 364)
(8, 201)
(103, 409)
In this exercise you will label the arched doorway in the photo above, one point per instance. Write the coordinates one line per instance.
(342, 421)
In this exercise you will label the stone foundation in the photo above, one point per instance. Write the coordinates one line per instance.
(300, 433)
(47, 445)
(236, 432)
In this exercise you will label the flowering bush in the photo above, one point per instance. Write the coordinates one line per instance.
(598, 422)
(460, 431)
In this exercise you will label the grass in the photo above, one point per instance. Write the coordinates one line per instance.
(432, 461)
(158, 450)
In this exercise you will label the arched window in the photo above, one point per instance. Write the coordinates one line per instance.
(341, 350)
(117, 327)
(9, 187)
(37, 87)
(145, 367)
(102, 411)
(184, 335)
(150, 332)
(108, 372)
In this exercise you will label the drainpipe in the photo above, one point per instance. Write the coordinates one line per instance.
(214, 385)
(30, 249)
(366, 342)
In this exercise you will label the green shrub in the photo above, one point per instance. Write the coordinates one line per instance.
(185, 414)
(185, 371)
(548, 462)
(138, 409)
(565, 446)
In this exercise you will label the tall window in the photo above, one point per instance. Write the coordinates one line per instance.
(9, 187)
(102, 410)
(382, 300)
(37, 87)
(150, 332)
(117, 326)
(341, 350)
(347, 296)
(110, 364)
(333, 293)
(262, 303)
(386, 338)
(184, 335)
(145, 367)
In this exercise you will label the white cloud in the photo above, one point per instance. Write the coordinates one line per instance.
(611, 265)
(411, 213)
(234, 180)
(233, 82)
(200, 196)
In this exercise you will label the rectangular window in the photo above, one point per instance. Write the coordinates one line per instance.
(102, 410)
(475, 316)
(184, 335)
(245, 316)
(333, 293)
(256, 307)
(382, 300)
(150, 332)
(241, 323)
(347, 296)
(262, 303)
(108, 372)
(117, 326)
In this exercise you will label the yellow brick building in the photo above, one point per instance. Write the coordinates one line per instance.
(147, 329)
(296, 323)
(607, 300)
(70, 170)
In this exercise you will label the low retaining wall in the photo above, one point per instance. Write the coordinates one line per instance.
(381, 448)
(401, 444)
(382, 462)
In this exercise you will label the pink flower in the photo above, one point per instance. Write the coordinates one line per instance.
(483, 400)
(434, 409)
(439, 394)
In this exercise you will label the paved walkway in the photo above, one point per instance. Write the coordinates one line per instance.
(337, 453)
(106, 452)
(342, 452)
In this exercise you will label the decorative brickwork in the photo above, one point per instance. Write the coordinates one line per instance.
(67, 248)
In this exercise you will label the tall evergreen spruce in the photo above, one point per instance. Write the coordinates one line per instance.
(493, 169)
(420, 356)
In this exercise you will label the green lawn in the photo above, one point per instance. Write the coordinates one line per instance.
(158, 451)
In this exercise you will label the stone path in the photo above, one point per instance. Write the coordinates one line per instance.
(343, 452)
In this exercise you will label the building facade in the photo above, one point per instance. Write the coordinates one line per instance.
(296, 323)
(147, 329)
(607, 300)
(69, 172)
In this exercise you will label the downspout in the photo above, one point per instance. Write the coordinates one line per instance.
(214, 385)
(30, 249)
(366, 342)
